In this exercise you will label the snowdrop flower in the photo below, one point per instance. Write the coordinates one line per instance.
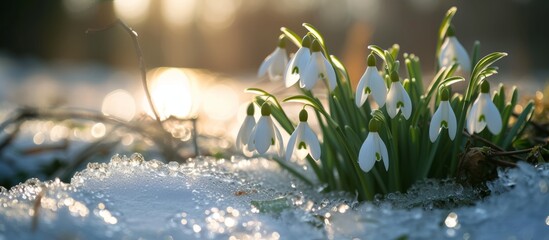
(371, 83)
(398, 99)
(303, 140)
(275, 63)
(243, 136)
(451, 51)
(444, 117)
(265, 134)
(318, 68)
(373, 149)
(298, 62)
(483, 113)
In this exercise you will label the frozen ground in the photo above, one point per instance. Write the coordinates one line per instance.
(130, 198)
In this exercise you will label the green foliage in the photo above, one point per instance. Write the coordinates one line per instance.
(412, 155)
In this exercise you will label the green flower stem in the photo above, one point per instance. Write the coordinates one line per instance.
(424, 171)
(394, 182)
(296, 39)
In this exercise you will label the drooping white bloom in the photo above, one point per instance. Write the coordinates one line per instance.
(275, 63)
(303, 140)
(444, 117)
(398, 99)
(243, 136)
(318, 68)
(484, 113)
(452, 50)
(371, 83)
(373, 149)
(298, 62)
(265, 135)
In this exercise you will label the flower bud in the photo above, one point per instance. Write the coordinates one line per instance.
(315, 46)
(307, 40)
(250, 111)
(303, 115)
(265, 110)
(371, 60)
(394, 77)
(374, 125)
(444, 94)
(484, 87)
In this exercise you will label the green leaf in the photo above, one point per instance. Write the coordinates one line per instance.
(271, 206)
(481, 68)
(377, 51)
(451, 80)
(296, 39)
(520, 124)
(474, 56)
(394, 50)
(315, 32)
(257, 91)
(305, 100)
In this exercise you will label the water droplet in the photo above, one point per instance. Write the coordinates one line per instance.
(173, 166)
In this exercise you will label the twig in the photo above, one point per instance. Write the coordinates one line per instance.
(502, 163)
(140, 59)
(476, 137)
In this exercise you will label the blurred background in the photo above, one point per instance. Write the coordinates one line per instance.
(201, 54)
(233, 36)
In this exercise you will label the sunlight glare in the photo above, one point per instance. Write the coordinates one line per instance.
(219, 14)
(220, 102)
(178, 12)
(171, 93)
(120, 104)
(133, 11)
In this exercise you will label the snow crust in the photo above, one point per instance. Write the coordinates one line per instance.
(237, 198)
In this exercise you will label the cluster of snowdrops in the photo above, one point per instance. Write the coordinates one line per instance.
(415, 132)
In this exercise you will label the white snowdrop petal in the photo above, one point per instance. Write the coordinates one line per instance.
(452, 122)
(360, 95)
(291, 78)
(405, 98)
(392, 99)
(278, 65)
(297, 64)
(434, 127)
(461, 55)
(245, 132)
(493, 118)
(444, 57)
(378, 87)
(366, 156)
(291, 144)
(312, 141)
(263, 134)
(384, 153)
(310, 77)
(330, 75)
(472, 117)
(453, 50)
(279, 142)
(251, 140)
(265, 65)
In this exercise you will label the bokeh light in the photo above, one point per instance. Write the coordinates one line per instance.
(172, 93)
(178, 12)
(120, 104)
(133, 11)
(220, 102)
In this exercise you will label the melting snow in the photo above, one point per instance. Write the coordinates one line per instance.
(237, 198)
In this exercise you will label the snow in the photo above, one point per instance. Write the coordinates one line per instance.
(237, 198)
